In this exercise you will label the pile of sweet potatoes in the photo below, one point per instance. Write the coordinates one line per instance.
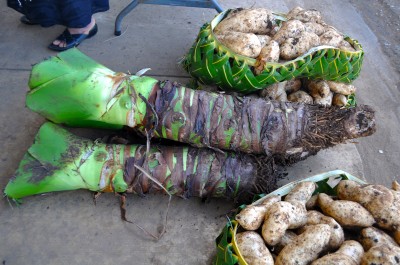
(361, 225)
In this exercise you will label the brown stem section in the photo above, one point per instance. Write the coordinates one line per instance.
(291, 131)
(199, 172)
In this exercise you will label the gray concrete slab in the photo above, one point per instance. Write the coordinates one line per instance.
(67, 228)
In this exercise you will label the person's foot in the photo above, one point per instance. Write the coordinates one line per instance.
(88, 31)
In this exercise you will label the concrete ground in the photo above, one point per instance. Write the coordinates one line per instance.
(67, 228)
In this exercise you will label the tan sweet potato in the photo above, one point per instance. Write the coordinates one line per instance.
(345, 45)
(302, 192)
(326, 101)
(341, 88)
(346, 213)
(332, 38)
(294, 47)
(293, 85)
(289, 29)
(293, 12)
(382, 254)
(253, 249)
(286, 239)
(337, 234)
(339, 100)
(246, 44)
(300, 96)
(395, 185)
(396, 236)
(312, 203)
(253, 20)
(264, 39)
(275, 92)
(349, 253)
(314, 28)
(280, 217)
(269, 53)
(318, 88)
(252, 216)
(371, 236)
(310, 15)
(306, 247)
(380, 201)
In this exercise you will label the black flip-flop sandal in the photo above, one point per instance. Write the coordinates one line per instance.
(72, 40)
(27, 21)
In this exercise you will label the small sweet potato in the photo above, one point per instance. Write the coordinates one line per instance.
(253, 249)
(339, 100)
(269, 53)
(275, 92)
(280, 217)
(252, 216)
(302, 192)
(346, 213)
(306, 15)
(253, 20)
(318, 88)
(332, 38)
(293, 85)
(341, 88)
(305, 247)
(326, 101)
(300, 96)
(314, 28)
(371, 236)
(296, 46)
(349, 253)
(337, 234)
(246, 44)
(382, 254)
(289, 29)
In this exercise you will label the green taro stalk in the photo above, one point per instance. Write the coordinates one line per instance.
(75, 90)
(60, 161)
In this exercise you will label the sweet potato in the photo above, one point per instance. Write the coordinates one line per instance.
(289, 29)
(380, 201)
(246, 44)
(302, 192)
(349, 253)
(269, 53)
(332, 38)
(318, 88)
(339, 100)
(296, 46)
(275, 92)
(395, 185)
(305, 247)
(371, 236)
(264, 39)
(253, 249)
(300, 96)
(337, 234)
(280, 217)
(382, 254)
(341, 88)
(293, 85)
(314, 28)
(254, 20)
(396, 236)
(310, 15)
(312, 203)
(286, 239)
(326, 101)
(344, 45)
(346, 213)
(252, 216)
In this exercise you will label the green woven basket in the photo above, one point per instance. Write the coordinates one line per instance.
(212, 63)
(228, 252)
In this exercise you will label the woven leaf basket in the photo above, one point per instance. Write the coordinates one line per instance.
(212, 63)
(228, 252)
